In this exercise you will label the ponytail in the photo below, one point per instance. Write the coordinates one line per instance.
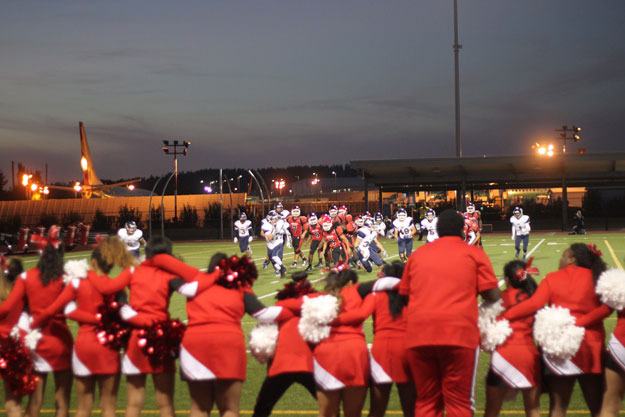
(50, 264)
(588, 256)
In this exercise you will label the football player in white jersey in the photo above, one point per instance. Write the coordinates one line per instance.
(368, 248)
(281, 211)
(132, 238)
(428, 225)
(520, 231)
(404, 232)
(378, 224)
(273, 232)
(242, 229)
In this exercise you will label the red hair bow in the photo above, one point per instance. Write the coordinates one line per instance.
(594, 249)
(522, 273)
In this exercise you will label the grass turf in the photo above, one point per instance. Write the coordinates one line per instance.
(545, 247)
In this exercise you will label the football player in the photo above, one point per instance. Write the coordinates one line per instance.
(378, 224)
(274, 231)
(428, 225)
(404, 231)
(520, 231)
(281, 211)
(314, 230)
(334, 242)
(242, 229)
(296, 224)
(132, 238)
(476, 216)
(472, 233)
(367, 246)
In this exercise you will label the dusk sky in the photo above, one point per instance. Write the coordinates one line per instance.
(283, 82)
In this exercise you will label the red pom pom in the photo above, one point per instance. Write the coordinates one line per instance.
(142, 342)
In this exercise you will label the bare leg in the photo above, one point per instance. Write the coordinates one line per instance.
(228, 397)
(407, 398)
(379, 399)
(614, 393)
(202, 397)
(531, 401)
(329, 403)
(35, 401)
(494, 400)
(135, 393)
(85, 390)
(354, 400)
(62, 392)
(12, 404)
(592, 388)
(560, 389)
(108, 384)
(164, 385)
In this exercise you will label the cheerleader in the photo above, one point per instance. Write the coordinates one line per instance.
(92, 362)
(39, 287)
(8, 275)
(292, 361)
(516, 363)
(572, 287)
(150, 289)
(611, 287)
(388, 351)
(212, 354)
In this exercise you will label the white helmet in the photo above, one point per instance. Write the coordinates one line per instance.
(295, 212)
(360, 221)
(430, 214)
(518, 212)
(312, 219)
(131, 227)
(401, 214)
(470, 208)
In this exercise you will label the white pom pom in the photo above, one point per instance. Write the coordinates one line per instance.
(15, 332)
(556, 333)
(263, 340)
(611, 288)
(492, 332)
(32, 339)
(317, 313)
(75, 270)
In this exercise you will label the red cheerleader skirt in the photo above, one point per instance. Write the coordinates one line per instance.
(209, 353)
(341, 361)
(54, 350)
(388, 360)
(135, 362)
(90, 357)
(518, 365)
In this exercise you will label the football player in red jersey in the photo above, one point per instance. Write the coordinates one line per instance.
(314, 230)
(296, 224)
(472, 234)
(476, 216)
(334, 241)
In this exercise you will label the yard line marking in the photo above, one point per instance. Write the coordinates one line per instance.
(614, 257)
(519, 412)
(535, 247)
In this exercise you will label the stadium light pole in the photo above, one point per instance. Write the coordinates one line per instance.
(176, 148)
(456, 48)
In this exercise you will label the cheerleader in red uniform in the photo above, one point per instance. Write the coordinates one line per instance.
(516, 363)
(39, 287)
(572, 287)
(292, 361)
(92, 362)
(388, 351)
(150, 289)
(212, 353)
(12, 402)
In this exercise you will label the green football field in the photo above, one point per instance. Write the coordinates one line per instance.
(545, 247)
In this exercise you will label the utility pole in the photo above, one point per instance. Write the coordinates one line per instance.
(176, 148)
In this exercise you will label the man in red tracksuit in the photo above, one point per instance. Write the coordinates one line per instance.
(443, 280)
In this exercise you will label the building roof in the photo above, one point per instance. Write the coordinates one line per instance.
(496, 172)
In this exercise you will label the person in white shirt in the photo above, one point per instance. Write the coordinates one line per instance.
(368, 247)
(242, 229)
(276, 232)
(404, 232)
(379, 226)
(428, 225)
(132, 238)
(520, 231)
